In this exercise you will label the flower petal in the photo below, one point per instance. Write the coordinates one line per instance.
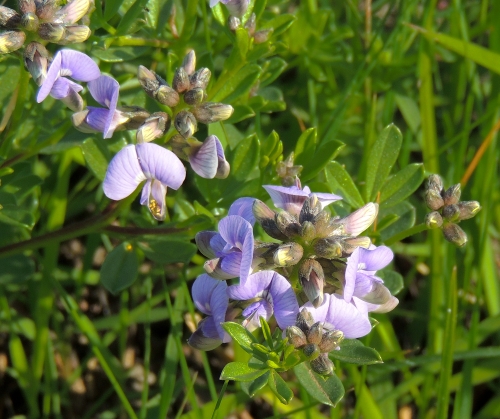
(124, 174)
(256, 283)
(288, 198)
(376, 259)
(202, 290)
(203, 242)
(231, 263)
(52, 76)
(62, 88)
(243, 208)
(285, 303)
(157, 200)
(234, 229)
(97, 118)
(350, 275)
(204, 160)
(78, 65)
(72, 12)
(326, 199)
(219, 303)
(159, 163)
(104, 90)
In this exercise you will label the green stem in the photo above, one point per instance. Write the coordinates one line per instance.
(219, 400)
(406, 233)
(147, 350)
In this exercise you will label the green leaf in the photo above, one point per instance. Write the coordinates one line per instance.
(279, 24)
(252, 387)
(409, 109)
(324, 154)
(406, 213)
(402, 184)
(266, 331)
(119, 54)
(168, 250)
(120, 268)
(354, 352)
(392, 280)
(271, 70)
(340, 182)
(240, 371)
(383, 155)
(279, 387)
(16, 269)
(306, 146)
(327, 391)
(240, 334)
(130, 17)
(220, 14)
(97, 156)
(238, 84)
(241, 112)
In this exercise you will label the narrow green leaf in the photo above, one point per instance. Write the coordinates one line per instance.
(324, 154)
(241, 112)
(253, 387)
(271, 71)
(16, 269)
(241, 335)
(409, 108)
(279, 387)
(354, 352)
(279, 24)
(240, 371)
(238, 84)
(402, 184)
(119, 269)
(97, 156)
(127, 21)
(306, 146)
(340, 182)
(392, 280)
(119, 54)
(383, 155)
(328, 391)
(168, 250)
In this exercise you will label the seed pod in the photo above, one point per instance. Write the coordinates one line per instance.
(51, 32)
(200, 79)
(181, 80)
(11, 41)
(209, 112)
(75, 34)
(454, 234)
(468, 209)
(194, 96)
(452, 195)
(189, 62)
(9, 18)
(153, 127)
(185, 124)
(312, 279)
(433, 220)
(322, 365)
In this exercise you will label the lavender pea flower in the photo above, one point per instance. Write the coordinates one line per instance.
(73, 64)
(273, 294)
(208, 160)
(235, 7)
(135, 163)
(210, 297)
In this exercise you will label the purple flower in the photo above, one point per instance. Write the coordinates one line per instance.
(235, 7)
(73, 64)
(210, 297)
(208, 160)
(274, 295)
(352, 320)
(243, 208)
(292, 198)
(230, 250)
(148, 161)
(361, 281)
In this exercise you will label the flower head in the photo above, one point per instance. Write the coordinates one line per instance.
(135, 163)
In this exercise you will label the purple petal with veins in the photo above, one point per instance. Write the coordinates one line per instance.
(204, 160)
(243, 208)
(62, 88)
(72, 12)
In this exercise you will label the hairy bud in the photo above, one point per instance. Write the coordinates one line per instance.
(288, 254)
(330, 340)
(287, 224)
(322, 365)
(451, 212)
(210, 112)
(234, 23)
(181, 80)
(11, 41)
(194, 96)
(237, 7)
(296, 336)
(262, 36)
(312, 279)
(315, 333)
(154, 127)
(454, 234)
(36, 60)
(265, 216)
(328, 248)
(468, 209)
(452, 195)
(200, 79)
(251, 24)
(310, 209)
(189, 62)
(30, 22)
(304, 320)
(27, 6)
(185, 124)
(433, 220)
(51, 32)
(9, 18)
(75, 34)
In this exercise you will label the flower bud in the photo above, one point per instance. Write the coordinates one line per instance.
(189, 62)
(312, 279)
(154, 127)
(210, 112)
(296, 336)
(200, 79)
(452, 195)
(73, 101)
(310, 208)
(181, 80)
(180, 146)
(311, 350)
(167, 96)
(451, 212)
(194, 96)
(330, 340)
(304, 320)
(46, 9)
(156, 87)
(237, 7)
(321, 222)
(315, 333)
(288, 254)
(234, 23)
(36, 60)
(134, 116)
(265, 216)
(435, 182)
(349, 244)
(9, 18)
(27, 6)
(308, 231)
(251, 24)
(287, 224)
(262, 36)
(11, 41)
(468, 209)
(185, 124)
(75, 34)
(454, 234)
(288, 172)
(223, 169)
(433, 199)
(30, 22)
(328, 248)
(322, 365)
(433, 220)
(51, 32)
(263, 255)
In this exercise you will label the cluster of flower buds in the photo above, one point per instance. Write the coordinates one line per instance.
(312, 240)
(447, 209)
(51, 22)
(259, 37)
(315, 340)
(287, 171)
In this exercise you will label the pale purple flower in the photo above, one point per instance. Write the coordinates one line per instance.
(72, 12)
(209, 161)
(243, 208)
(361, 281)
(291, 198)
(230, 250)
(68, 63)
(135, 163)
(274, 295)
(235, 7)
(210, 297)
(337, 314)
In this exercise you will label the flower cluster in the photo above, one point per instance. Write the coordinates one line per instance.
(47, 19)
(448, 210)
(334, 266)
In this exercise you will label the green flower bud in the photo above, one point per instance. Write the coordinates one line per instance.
(468, 209)
(185, 124)
(454, 234)
(11, 41)
(210, 112)
(30, 22)
(433, 220)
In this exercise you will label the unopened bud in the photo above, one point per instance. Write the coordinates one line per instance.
(73, 101)
(468, 209)
(330, 340)
(307, 231)
(210, 112)
(189, 62)
(27, 6)
(200, 79)
(349, 244)
(156, 87)
(234, 23)
(452, 195)
(36, 60)
(185, 124)
(180, 82)
(154, 127)
(167, 96)
(321, 222)
(194, 96)
(435, 182)
(304, 320)
(433, 220)
(433, 199)
(454, 234)
(296, 336)
(451, 212)
(30, 22)
(237, 7)
(311, 350)
(312, 279)
(315, 333)
(265, 216)
(251, 24)
(310, 208)
(288, 254)
(134, 116)
(223, 169)
(9, 18)
(322, 365)
(262, 36)
(75, 34)
(328, 248)
(11, 41)
(287, 224)
(46, 9)
(51, 32)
